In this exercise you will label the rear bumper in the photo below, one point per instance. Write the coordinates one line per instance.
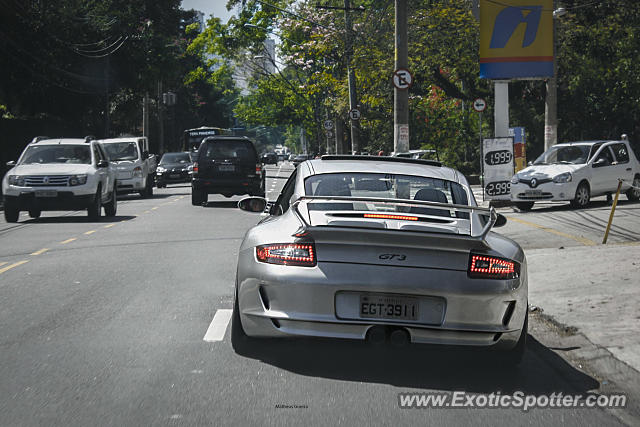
(63, 201)
(233, 186)
(281, 301)
(172, 177)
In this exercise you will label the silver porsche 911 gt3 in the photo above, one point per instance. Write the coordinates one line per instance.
(382, 249)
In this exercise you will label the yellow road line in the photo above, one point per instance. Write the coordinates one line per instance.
(41, 251)
(15, 264)
(108, 225)
(90, 232)
(153, 209)
(146, 211)
(578, 239)
(68, 241)
(2, 263)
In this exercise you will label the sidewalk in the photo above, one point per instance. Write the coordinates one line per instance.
(594, 289)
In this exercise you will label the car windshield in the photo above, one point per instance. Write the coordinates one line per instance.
(218, 150)
(121, 150)
(386, 186)
(79, 154)
(564, 154)
(175, 158)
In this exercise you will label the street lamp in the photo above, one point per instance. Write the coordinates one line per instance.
(551, 101)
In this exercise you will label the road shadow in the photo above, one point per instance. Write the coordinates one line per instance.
(222, 204)
(156, 195)
(78, 219)
(425, 367)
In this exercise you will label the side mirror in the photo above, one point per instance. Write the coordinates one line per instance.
(529, 163)
(253, 204)
(11, 163)
(600, 162)
(102, 164)
(500, 221)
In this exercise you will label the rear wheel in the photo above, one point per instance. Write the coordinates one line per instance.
(514, 356)
(524, 206)
(240, 341)
(198, 197)
(633, 193)
(111, 207)
(95, 209)
(582, 197)
(35, 213)
(148, 188)
(11, 212)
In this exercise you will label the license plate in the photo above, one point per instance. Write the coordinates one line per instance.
(380, 306)
(226, 168)
(174, 175)
(46, 193)
(532, 192)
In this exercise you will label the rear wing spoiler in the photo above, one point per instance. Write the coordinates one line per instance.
(476, 231)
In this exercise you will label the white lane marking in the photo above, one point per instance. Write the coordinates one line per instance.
(218, 326)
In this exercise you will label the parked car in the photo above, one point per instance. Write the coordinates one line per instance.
(135, 167)
(270, 159)
(227, 165)
(382, 249)
(576, 172)
(60, 174)
(174, 168)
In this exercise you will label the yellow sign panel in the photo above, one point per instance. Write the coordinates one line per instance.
(516, 39)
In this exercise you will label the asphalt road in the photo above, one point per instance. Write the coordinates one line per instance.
(104, 323)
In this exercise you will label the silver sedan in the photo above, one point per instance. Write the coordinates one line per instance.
(380, 249)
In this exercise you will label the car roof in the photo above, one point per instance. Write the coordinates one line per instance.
(597, 141)
(59, 141)
(384, 165)
(122, 139)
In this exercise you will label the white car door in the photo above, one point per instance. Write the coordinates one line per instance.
(622, 164)
(604, 173)
(103, 172)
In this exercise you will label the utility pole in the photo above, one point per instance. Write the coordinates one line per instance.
(107, 104)
(351, 74)
(401, 95)
(551, 99)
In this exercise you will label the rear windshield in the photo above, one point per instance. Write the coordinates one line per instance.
(229, 149)
(121, 150)
(387, 186)
(79, 154)
(175, 158)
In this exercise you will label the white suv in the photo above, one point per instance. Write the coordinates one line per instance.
(60, 174)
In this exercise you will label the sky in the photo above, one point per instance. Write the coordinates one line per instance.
(216, 8)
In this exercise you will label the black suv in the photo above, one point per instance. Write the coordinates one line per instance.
(227, 165)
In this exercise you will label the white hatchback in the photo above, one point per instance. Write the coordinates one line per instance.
(576, 172)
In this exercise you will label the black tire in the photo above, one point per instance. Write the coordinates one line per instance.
(524, 206)
(633, 194)
(35, 213)
(582, 197)
(240, 341)
(198, 197)
(111, 207)
(227, 195)
(95, 210)
(148, 189)
(514, 356)
(11, 212)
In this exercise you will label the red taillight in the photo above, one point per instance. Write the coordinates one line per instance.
(258, 168)
(387, 216)
(195, 166)
(298, 254)
(489, 267)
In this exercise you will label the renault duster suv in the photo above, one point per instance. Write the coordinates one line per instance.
(227, 165)
(60, 174)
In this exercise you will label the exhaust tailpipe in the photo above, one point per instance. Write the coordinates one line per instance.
(399, 337)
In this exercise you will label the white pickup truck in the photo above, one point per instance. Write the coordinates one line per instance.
(135, 167)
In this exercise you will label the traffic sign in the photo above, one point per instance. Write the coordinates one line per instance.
(479, 105)
(354, 114)
(329, 134)
(402, 78)
(328, 124)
